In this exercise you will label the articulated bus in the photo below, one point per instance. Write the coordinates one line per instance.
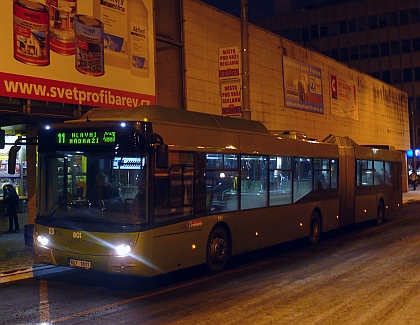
(152, 190)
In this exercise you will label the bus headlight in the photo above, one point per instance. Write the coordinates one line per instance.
(42, 240)
(123, 250)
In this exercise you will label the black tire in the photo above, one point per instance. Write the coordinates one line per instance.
(380, 214)
(217, 251)
(314, 228)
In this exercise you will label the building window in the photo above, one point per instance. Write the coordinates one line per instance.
(384, 48)
(352, 26)
(364, 51)
(417, 137)
(416, 44)
(408, 75)
(305, 34)
(334, 54)
(416, 74)
(374, 51)
(395, 48)
(354, 53)
(287, 33)
(362, 24)
(333, 28)
(376, 75)
(314, 31)
(406, 46)
(386, 76)
(393, 19)
(382, 21)
(404, 17)
(415, 16)
(297, 37)
(372, 22)
(344, 54)
(323, 30)
(396, 76)
(342, 27)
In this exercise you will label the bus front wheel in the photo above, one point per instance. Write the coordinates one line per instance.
(314, 228)
(217, 250)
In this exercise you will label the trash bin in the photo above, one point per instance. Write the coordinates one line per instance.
(29, 236)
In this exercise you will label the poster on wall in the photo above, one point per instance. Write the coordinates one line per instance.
(343, 97)
(229, 63)
(231, 97)
(96, 53)
(302, 86)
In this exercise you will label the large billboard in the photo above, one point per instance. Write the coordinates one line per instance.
(343, 97)
(302, 86)
(95, 53)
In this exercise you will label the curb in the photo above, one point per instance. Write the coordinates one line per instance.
(31, 272)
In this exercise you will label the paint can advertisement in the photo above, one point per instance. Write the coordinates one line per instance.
(97, 53)
(89, 45)
(31, 32)
(61, 23)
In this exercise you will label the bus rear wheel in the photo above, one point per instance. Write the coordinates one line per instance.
(217, 250)
(380, 215)
(314, 228)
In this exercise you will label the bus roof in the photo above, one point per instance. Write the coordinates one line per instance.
(158, 114)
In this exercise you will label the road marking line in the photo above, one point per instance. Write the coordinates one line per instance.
(44, 305)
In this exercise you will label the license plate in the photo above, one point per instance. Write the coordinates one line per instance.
(79, 263)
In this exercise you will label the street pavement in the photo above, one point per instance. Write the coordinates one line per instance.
(17, 260)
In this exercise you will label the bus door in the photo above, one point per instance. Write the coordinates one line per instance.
(347, 179)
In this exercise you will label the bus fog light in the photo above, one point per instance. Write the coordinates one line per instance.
(123, 249)
(42, 240)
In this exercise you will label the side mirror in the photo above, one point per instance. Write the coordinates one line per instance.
(11, 165)
(162, 156)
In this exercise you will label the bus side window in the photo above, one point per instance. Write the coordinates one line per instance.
(378, 172)
(302, 177)
(254, 181)
(280, 180)
(221, 182)
(388, 173)
(174, 187)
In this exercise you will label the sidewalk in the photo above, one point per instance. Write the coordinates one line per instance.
(17, 261)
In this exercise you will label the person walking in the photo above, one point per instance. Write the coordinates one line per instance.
(413, 178)
(11, 200)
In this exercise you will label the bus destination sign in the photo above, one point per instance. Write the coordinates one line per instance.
(86, 138)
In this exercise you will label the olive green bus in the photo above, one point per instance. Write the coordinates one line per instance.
(152, 190)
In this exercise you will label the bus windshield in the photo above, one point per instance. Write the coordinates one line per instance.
(95, 186)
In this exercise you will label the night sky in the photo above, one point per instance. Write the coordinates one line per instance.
(256, 8)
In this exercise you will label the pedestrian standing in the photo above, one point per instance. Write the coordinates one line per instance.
(413, 178)
(11, 201)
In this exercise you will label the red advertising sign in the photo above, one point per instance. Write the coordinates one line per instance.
(231, 98)
(229, 63)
